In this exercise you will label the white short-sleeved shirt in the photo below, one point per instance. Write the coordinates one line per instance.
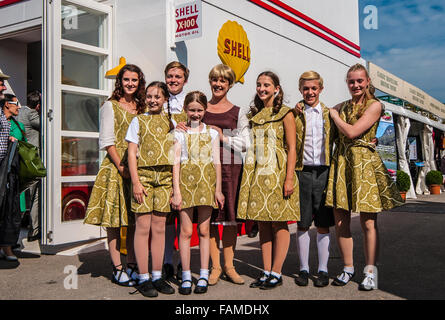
(176, 103)
(133, 130)
(314, 143)
(180, 137)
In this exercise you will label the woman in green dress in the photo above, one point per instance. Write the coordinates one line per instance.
(110, 201)
(269, 187)
(358, 180)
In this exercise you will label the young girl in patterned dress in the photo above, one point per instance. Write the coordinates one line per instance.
(151, 176)
(196, 183)
(358, 180)
(269, 186)
(110, 205)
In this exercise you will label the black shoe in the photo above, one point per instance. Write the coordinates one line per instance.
(168, 271)
(116, 277)
(179, 272)
(268, 284)
(258, 282)
(201, 289)
(163, 287)
(185, 290)
(254, 231)
(303, 278)
(147, 289)
(340, 283)
(322, 280)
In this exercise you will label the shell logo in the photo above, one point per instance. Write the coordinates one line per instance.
(234, 48)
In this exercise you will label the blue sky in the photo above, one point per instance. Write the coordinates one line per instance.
(409, 41)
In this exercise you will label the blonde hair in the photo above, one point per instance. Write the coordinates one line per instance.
(176, 64)
(223, 71)
(369, 90)
(308, 76)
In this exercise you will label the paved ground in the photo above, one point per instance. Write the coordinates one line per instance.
(412, 259)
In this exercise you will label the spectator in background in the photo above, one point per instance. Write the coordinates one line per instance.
(30, 117)
(10, 204)
(3, 77)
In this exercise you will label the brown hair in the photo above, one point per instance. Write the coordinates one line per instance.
(195, 96)
(177, 64)
(163, 87)
(139, 95)
(258, 105)
(369, 90)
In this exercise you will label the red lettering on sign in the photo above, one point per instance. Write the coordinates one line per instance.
(186, 11)
(227, 46)
(236, 49)
(188, 23)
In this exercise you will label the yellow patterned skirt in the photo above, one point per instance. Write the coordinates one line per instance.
(197, 184)
(110, 199)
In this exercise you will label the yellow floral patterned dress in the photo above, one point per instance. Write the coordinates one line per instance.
(358, 179)
(261, 195)
(198, 174)
(110, 198)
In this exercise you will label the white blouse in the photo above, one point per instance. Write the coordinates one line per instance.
(106, 125)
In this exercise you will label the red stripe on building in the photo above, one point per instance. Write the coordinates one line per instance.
(6, 2)
(315, 23)
(305, 26)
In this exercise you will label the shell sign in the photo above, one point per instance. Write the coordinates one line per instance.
(234, 48)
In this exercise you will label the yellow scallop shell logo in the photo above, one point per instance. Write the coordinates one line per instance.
(234, 48)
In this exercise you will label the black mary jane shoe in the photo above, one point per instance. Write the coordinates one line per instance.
(134, 272)
(162, 286)
(147, 289)
(340, 283)
(201, 289)
(322, 280)
(185, 290)
(303, 278)
(268, 284)
(116, 278)
(258, 282)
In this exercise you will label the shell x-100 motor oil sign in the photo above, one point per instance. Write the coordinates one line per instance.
(188, 18)
(234, 48)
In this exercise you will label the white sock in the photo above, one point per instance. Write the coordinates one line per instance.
(156, 274)
(186, 275)
(278, 275)
(303, 243)
(344, 276)
(170, 234)
(265, 276)
(203, 273)
(144, 277)
(323, 241)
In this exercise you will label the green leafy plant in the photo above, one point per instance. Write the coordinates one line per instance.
(403, 181)
(433, 177)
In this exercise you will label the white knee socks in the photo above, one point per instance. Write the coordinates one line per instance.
(303, 242)
(323, 241)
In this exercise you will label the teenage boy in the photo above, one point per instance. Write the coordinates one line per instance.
(315, 134)
(176, 76)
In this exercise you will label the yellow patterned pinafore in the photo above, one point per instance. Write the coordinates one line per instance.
(198, 174)
(261, 195)
(110, 198)
(358, 179)
(154, 163)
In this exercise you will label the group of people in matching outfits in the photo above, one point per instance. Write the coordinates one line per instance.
(174, 159)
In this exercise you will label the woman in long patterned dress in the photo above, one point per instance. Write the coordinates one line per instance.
(269, 186)
(110, 201)
(233, 128)
(358, 180)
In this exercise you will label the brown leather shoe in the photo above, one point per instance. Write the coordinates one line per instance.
(215, 274)
(233, 276)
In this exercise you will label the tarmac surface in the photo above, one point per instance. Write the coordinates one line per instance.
(412, 259)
